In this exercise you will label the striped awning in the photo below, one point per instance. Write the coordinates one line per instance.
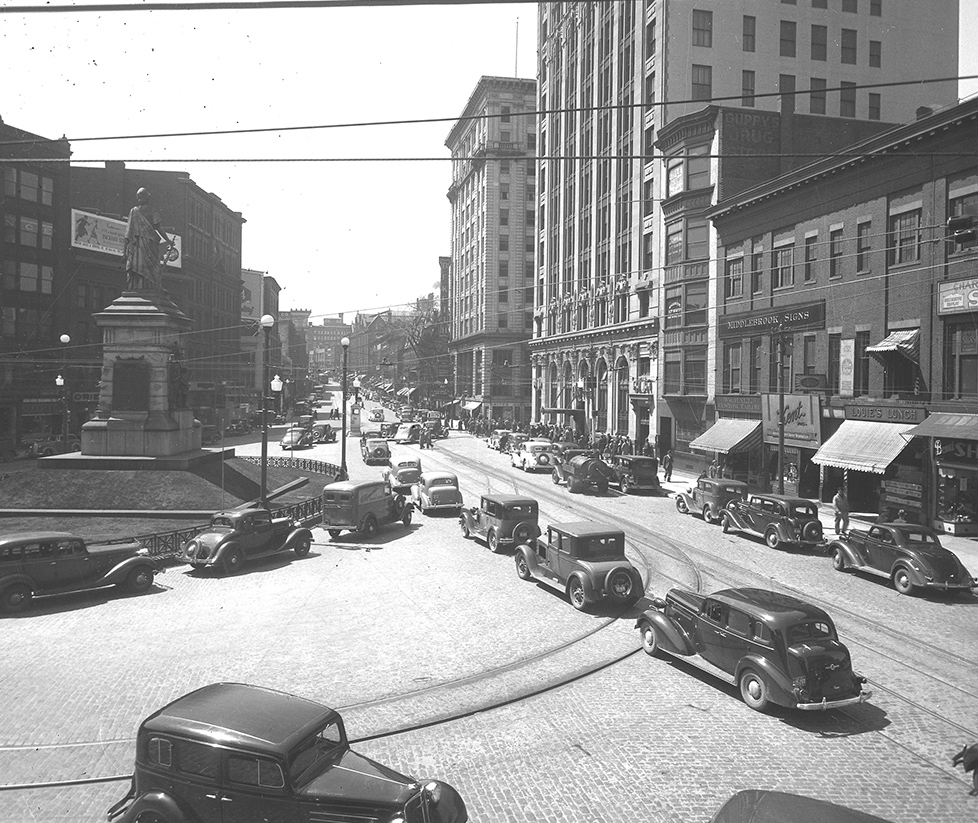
(906, 343)
(729, 435)
(864, 446)
(471, 405)
(946, 424)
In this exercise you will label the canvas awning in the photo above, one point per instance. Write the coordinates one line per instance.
(729, 435)
(471, 405)
(863, 446)
(409, 392)
(946, 424)
(402, 392)
(386, 386)
(906, 343)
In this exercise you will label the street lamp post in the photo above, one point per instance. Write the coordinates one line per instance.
(60, 382)
(344, 474)
(267, 321)
(356, 391)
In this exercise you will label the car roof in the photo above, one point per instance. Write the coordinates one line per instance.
(586, 528)
(784, 498)
(773, 607)
(349, 486)
(429, 476)
(236, 714)
(508, 498)
(35, 537)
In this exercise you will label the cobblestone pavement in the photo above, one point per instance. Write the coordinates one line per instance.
(419, 625)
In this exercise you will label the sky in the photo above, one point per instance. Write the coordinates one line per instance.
(339, 237)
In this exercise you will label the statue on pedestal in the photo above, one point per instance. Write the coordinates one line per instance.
(144, 236)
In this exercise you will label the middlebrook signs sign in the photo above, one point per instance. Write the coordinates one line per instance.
(773, 321)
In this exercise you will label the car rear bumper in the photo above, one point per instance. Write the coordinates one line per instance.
(825, 705)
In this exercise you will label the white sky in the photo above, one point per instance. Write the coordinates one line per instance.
(339, 237)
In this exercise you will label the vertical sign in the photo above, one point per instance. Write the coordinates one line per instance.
(847, 367)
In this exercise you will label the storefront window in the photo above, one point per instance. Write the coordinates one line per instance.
(957, 495)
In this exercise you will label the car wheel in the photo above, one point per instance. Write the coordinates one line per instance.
(335, 533)
(492, 540)
(625, 485)
(754, 690)
(650, 639)
(522, 567)
(522, 533)
(15, 598)
(370, 526)
(302, 547)
(575, 593)
(406, 518)
(901, 581)
(771, 539)
(620, 586)
(555, 477)
(681, 506)
(838, 560)
(75, 447)
(232, 561)
(139, 580)
(465, 530)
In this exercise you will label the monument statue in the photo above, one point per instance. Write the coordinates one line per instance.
(144, 236)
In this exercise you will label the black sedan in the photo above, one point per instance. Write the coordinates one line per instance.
(298, 439)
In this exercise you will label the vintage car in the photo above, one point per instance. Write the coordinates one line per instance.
(53, 444)
(634, 473)
(248, 753)
(585, 560)
(501, 520)
(374, 450)
(376, 416)
(533, 455)
(437, 427)
(323, 432)
(242, 534)
(497, 439)
(362, 507)
(408, 433)
(38, 563)
(774, 647)
(209, 435)
(778, 519)
(403, 474)
(765, 806)
(237, 427)
(513, 441)
(389, 430)
(912, 557)
(438, 491)
(583, 471)
(710, 496)
(562, 447)
(297, 439)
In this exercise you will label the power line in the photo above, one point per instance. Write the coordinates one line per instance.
(240, 5)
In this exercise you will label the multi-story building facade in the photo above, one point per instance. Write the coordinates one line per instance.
(259, 296)
(493, 199)
(610, 76)
(323, 339)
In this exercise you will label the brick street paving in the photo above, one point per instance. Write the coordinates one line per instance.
(418, 625)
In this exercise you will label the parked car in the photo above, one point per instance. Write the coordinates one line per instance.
(778, 519)
(256, 754)
(236, 428)
(238, 535)
(533, 455)
(514, 441)
(297, 439)
(774, 647)
(438, 491)
(209, 435)
(40, 563)
(403, 474)
(497, 439)
(583, 471)
(408, 433)
(323, 432)
(389, 430)
(362, 507)
(374, 450)
(562, 447)
(764, 806)
(912, 557)
(710, 496)
(585, 560)
(634, 473)
(376, 416)
(501, 520)
(53, 445)
(437, 427)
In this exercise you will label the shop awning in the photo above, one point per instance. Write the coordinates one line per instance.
(863, 446)
(402, 392)
(386, 386)
(946, 424)
(471, 405)
(409, 392)
(729, 435)
(906, 343)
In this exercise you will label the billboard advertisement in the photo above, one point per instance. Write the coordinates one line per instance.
(802, 420)
(95, 232)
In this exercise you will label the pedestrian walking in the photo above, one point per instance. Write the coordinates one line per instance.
(840, 505)
(667, 466)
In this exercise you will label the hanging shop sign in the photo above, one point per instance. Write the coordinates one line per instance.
(957, 296)
(774, 321)
(882, 413)
(802, 420)
(962, 452)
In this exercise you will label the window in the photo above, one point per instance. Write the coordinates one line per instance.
(851, 6)
(808, 354)
(847, 100)
(747, 88)
(849, 46)
(504, 242)
(817, 102)
(904, 238)
(874, 106)
(835, 253)
(158, 751)
(863, 245)
(702, 82)
(875, 53)
(254, 771)
(811, 257)
(756, 271)
(820, 4)
(674, 243)
(783, 267)
(503, 320)
(504, 269)
(195, 758)
(755, 365)
(875, 8)
(835, 363)
(733, 286)
(504, 217)
(697, 167)
(737, 621)
(959, 207)
(789, 37)
(750, 33)
(504, 295)
(786, 88)
(861, 377)
(28, 232)
(732, 368)
(505, 110)
(702, 28)
(696, 303)
(820, 40)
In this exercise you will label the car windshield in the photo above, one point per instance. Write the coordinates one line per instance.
(521, 510)
(407, 464)
(442, 481)
(542, 448)
(920, 538)
(600, 547)
(222, 521)
(813, 630)
(374, 443)
(803, 510)
(314, 751)
(337, 497)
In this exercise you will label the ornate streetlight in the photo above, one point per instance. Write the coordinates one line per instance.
(344, 474)
(267, 322)
(60, 383)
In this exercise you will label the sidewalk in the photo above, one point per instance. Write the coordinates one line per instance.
(965, 548)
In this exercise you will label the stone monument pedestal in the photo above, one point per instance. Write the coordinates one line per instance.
(143, 391)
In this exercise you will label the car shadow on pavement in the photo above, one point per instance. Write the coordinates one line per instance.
(354, 541)
(258, 564)
(75, 601)
(957, 598)
(859, 719)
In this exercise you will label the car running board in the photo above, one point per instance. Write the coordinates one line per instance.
(705, 666)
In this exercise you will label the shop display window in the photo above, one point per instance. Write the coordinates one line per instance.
(957, 495)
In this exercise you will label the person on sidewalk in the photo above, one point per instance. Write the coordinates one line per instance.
(667, 467)
(840, 505)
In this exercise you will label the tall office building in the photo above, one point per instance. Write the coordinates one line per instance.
(610, 76)
(493, 195)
